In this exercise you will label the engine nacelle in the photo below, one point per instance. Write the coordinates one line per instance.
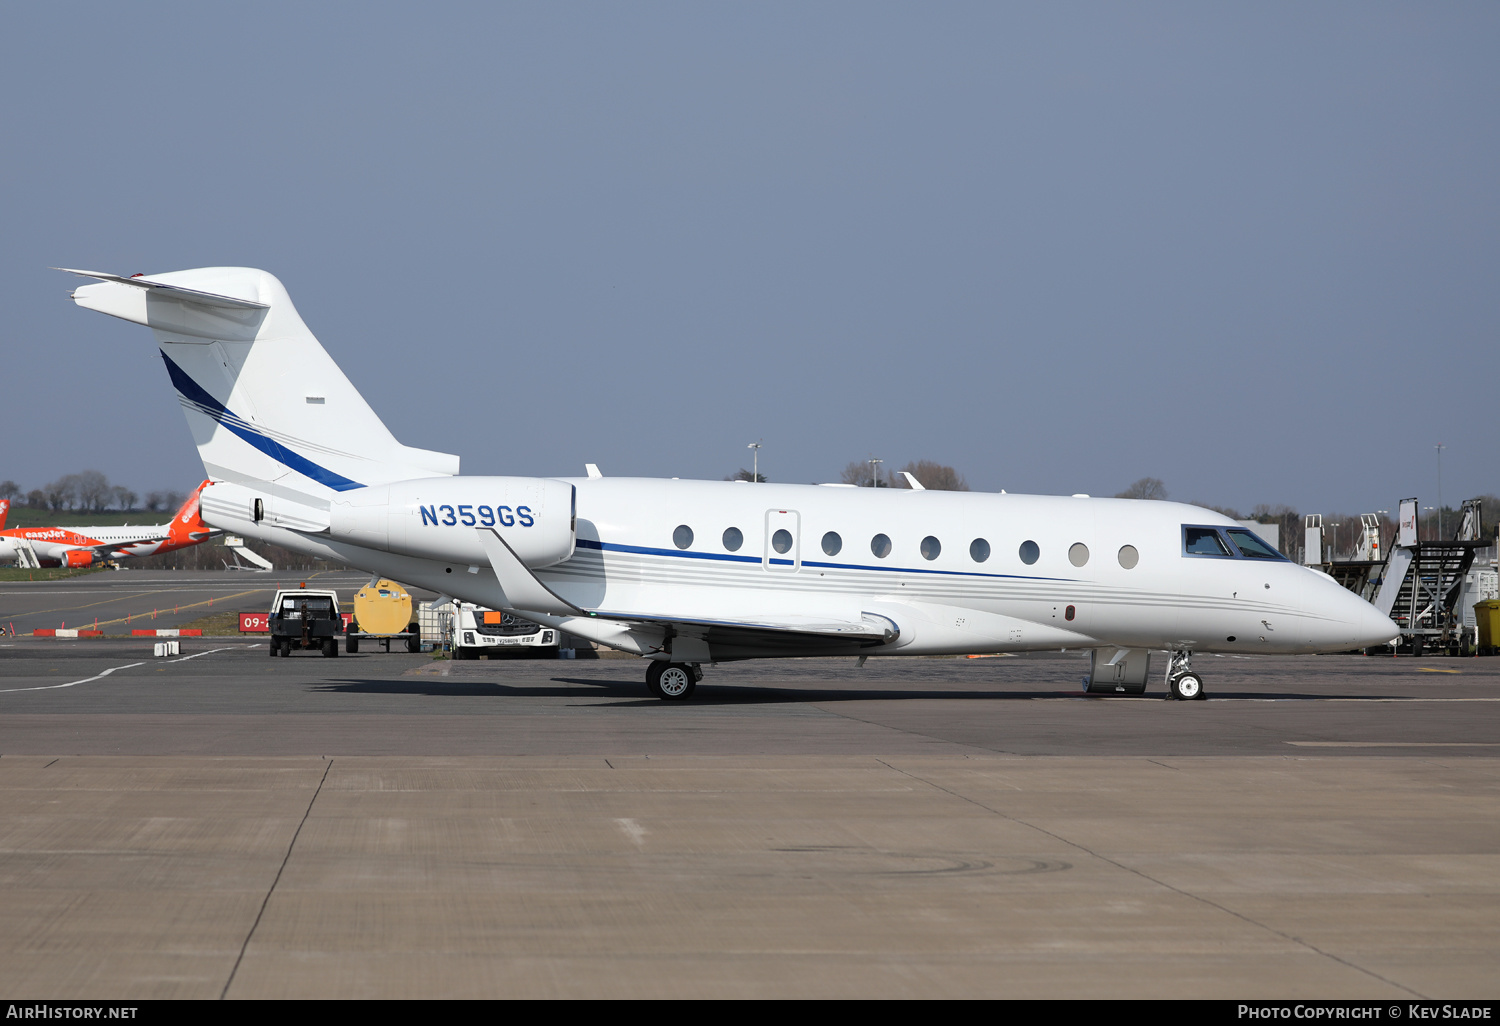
(75, 558)
(436, 518)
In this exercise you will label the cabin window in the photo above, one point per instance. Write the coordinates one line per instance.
(733, 539)
(1030, 553)
(832, 543)
(1078, 554)
(1204, 541)
(683, 536)
(1129, 557)
(979, 550)
(781, 540)
(881, 546)
(1251, 546)
(931, 547)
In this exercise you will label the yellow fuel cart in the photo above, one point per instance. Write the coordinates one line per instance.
(383, 612)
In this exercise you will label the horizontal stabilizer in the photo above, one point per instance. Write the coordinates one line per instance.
(175, 291)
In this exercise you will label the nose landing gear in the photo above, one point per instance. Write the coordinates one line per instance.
(672, 681)
(1182, 683)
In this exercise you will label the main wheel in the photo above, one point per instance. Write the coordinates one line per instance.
(675, 682)
(286, 648)
(275, 649)
(1187, 686)
(330, 647)
(413, 639)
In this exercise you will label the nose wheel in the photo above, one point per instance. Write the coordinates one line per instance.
(1182, 683)
(672, 682)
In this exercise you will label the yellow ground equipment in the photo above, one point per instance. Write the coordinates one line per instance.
(1487, 617)
(383, 612)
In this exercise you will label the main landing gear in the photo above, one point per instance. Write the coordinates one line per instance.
(1182, 683)
(672, 681)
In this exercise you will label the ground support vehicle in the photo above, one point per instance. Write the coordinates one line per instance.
(489, 632)
(383, 613)
(305, 618)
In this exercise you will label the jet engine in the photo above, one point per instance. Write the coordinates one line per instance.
(439, 518)
(74, 558)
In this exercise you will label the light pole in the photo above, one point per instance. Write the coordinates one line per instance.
(875, 472)
(1439, 448)
(755, 464)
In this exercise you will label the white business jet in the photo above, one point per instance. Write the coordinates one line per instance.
(692, 572)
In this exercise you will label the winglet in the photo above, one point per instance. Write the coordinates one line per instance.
(592, 469)
(911, 480)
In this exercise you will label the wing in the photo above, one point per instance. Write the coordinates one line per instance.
(691, 637)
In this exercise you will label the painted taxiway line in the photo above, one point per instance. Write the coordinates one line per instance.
(1394, 744)
(112, 669)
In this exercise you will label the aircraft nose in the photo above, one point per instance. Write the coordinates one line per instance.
(1350, 621)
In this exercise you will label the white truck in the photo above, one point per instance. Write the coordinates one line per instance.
(478, 631)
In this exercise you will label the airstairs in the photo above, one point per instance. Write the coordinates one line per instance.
(26, 557)
(1424, 587)
(236, 547)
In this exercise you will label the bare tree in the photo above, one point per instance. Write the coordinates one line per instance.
(36, 499)
(933, 476)
(173, 501)
(745, 475)
(1288, 520)
(62, 493)
(9, 490)
(124, 497)
(858, 473)
(155, 501)
(94, 492)
(1145, 488)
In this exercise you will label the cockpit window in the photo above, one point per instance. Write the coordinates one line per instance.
(1204, 541)
(1251, 546)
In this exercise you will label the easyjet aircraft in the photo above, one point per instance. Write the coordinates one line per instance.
(693, 572)
(85, 546)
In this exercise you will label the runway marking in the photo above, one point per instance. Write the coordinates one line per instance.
(112, 669)
(1395, 744)
(633, 830)
(1434, 669)
(49, 687)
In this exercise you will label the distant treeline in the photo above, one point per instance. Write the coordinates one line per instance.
(90, 491)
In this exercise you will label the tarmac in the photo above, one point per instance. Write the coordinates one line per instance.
(394, 825)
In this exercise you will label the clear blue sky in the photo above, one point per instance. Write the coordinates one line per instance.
(1250, 249)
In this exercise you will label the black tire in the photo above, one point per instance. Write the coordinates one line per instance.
(464, 653)
(653, 677)
(286, 649)
(275, 649)
(1187, 687)
(413, 638)
(351, 644)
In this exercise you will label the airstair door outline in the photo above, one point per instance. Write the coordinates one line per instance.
(783, 549)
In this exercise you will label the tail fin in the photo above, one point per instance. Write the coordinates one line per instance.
(267, 406)
(187, 526)
(4, 512)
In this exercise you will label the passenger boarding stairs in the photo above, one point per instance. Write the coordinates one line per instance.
(1420, 588)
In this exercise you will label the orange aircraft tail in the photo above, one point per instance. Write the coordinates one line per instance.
(4, 512)
(187, 527)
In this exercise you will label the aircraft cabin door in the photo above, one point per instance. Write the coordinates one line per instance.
(783, 552)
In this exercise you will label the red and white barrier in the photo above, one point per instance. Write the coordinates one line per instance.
(65, 632)
(170, 632)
